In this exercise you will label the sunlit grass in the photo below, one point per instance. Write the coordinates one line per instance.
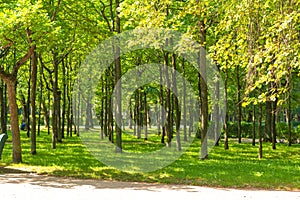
(237, 167)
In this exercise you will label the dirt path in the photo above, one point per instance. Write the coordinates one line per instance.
(31, 187)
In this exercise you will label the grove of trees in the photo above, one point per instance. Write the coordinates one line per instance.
(255, 44)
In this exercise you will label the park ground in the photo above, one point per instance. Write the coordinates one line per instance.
(28, 186)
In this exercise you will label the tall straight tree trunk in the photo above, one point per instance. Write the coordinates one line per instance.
(2, 107)
(47, 112)
(118, 91)
(176, 103)
(273, 123)
(105, 123)
(184, 105)
(168, 101)
(268, 123)
(191, 120)
(288, 119)
(28, 106)
(64, 96)
(55, 113)
(239, 104)
(68, 88)
(145, 114)
(162, 103)
(102, 109)
(109, 107)
(260, 150)
(40, 98)
(33, 102)
(253, 125)
(204, 91)
(216, 109)
(226, 146)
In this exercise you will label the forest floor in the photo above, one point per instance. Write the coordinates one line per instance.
(29, 186)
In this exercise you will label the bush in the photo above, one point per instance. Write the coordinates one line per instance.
(246, 129)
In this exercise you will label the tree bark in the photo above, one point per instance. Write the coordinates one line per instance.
(273, 123)
(40, 98)
(204, 92)
(176, 103)
(145, 114)
(226, 146)
(268, 122)
(118, 91)
(64, 96)
(168, 101)
(253, 125)
(33, 102)
(239, 104)
(260, 150)
(162, 104)
(3, 107)
(288, 119)
(13, 108)
(184, 105)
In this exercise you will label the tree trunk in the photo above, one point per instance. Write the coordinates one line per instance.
(260, 150)
(3, 120)
(48, 112)
(204, 92)
(226, 146)
(55, 112)
(176, 104)
(268, 122)
(216, 110)
(191, 116)
(28, 104)
(239, 104)
(273, 123)
(33, 103)
(184, 105)
(13, 109)
(69, 107)
(168, 101)
(253, 126)
(162, 103)
(64, 100)
(288, 119)
(105, 121)
(40, 98)
(102, 109)
(145, 114)
(118, 90)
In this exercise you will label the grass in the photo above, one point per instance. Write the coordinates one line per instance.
(237, 167)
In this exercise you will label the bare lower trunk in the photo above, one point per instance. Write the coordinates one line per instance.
(260, 150)
(253, 126)
(33, 104)
(226, 146)
(13, 108)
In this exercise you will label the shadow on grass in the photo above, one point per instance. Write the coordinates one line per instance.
(8, 170)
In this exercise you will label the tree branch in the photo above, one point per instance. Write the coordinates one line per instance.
(55, 11)
(26, 56)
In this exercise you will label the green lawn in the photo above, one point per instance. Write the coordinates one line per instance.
(237, 167)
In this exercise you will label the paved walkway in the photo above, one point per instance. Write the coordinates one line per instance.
(39, 187)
